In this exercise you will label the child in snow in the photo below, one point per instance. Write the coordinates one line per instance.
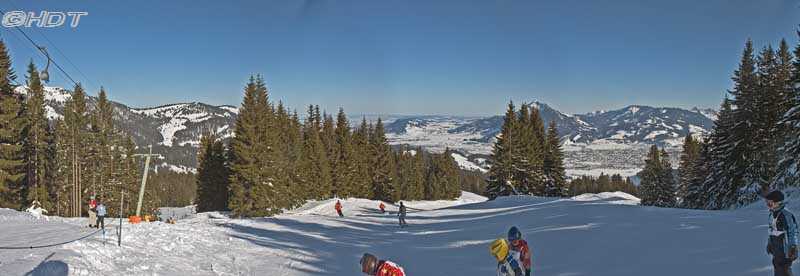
(507, 263)
(338, 208)
(402, 215)
(374, 267)
(36, 209)
(782, 242)
(92, 212)
(101, 215)
(383, 208)
(520, 248)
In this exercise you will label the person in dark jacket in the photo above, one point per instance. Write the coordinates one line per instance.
(782, 242)
(402, 215)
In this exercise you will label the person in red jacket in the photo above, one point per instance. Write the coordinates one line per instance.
(520, 246)
(374, 267)
(338, 208)
(383, 208)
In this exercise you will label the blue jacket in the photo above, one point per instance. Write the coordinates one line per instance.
(782, 230)
(101, 210)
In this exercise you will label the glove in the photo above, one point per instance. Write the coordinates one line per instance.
(793, 253)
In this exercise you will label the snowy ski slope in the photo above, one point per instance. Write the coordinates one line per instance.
(603, 234)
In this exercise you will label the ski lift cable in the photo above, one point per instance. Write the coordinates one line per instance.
(49, 245)
(22, 42)
(59, 50)
(42, 51)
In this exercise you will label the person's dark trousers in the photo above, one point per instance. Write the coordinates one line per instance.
(528, 272)
(781, 265)
(101, 223)
(340, 213)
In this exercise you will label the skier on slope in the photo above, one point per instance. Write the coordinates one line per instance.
(782, 242)
(374, 267)
(508, 264)
(402, 215)
(92, 212)
(382, 207)
(338, 208)
(520, 246)
(101, 215)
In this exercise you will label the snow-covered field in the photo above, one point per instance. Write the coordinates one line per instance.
(602, 234)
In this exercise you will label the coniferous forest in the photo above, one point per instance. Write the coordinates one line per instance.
(61, 163)
(275, 161)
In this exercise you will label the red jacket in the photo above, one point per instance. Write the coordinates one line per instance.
(338, 206)
(382, 206)
(387, 268)
(521, 246)
(92, 204)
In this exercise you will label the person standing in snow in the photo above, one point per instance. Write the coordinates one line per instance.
(101, 215)
(507, 264)
(520, 247)
(338, 208)
(382, 207)
(92, 212)
(374, 267)
(782, 242)
(402, 215)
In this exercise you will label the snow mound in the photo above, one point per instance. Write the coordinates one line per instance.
(357, 206)
(610, 197)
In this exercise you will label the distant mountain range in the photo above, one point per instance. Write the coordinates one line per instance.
(174, 130)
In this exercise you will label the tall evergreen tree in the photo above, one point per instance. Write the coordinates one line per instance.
(35, 140)
(12, 168)
(686, 169)
(383, 166)
(554, 171)
(213, 175)
(501, 173)
(788, 173)
(343, 165)
(315, 164)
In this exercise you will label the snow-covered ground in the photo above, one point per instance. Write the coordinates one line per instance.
(602, 234)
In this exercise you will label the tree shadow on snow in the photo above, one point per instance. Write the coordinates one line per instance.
(50, 268)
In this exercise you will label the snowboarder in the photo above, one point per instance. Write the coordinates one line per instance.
(338, 208)
(507, 263)
(782, 242)
(520, 247)
(92, 212)
(402, 215)
(101, 215)
(36, 209)
(383, 208)
(374, 267)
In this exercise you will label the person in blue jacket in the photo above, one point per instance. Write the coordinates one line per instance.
(782, 243)
(101, 215)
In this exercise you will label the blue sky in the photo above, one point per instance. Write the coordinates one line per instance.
(454, 57)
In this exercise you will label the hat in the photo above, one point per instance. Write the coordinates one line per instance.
(776, 196)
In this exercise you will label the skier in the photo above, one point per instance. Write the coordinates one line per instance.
(338, 208)
(520, 247)
(92, 212)
(507, 263)
(101, 215)
(383, 208)
(782, 242)
(402, 215)
(374, 267)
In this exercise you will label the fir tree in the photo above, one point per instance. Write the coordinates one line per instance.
(686, 169)
(554, 164)
(35, 139)
(383, 166)
(212, 175)
(315, 164)
(12, 168)
(501, 173)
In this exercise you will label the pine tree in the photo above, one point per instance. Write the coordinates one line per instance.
(554, 164)
(720, 184)
(248, 156)
(383, 166)
(315, 164)
(501, 173)
(343, 165)
(694, 193)
(686, 169)
(658, 180)
(788, 173)
(35, 139)
(666, 187)
(363, 152)
(212, 175)
(75, 141)
(12, 168)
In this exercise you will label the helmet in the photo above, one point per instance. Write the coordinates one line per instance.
(514, 234)
(369, 264)
(499, 249)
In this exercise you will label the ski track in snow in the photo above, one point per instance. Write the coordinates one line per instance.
(590, 234)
